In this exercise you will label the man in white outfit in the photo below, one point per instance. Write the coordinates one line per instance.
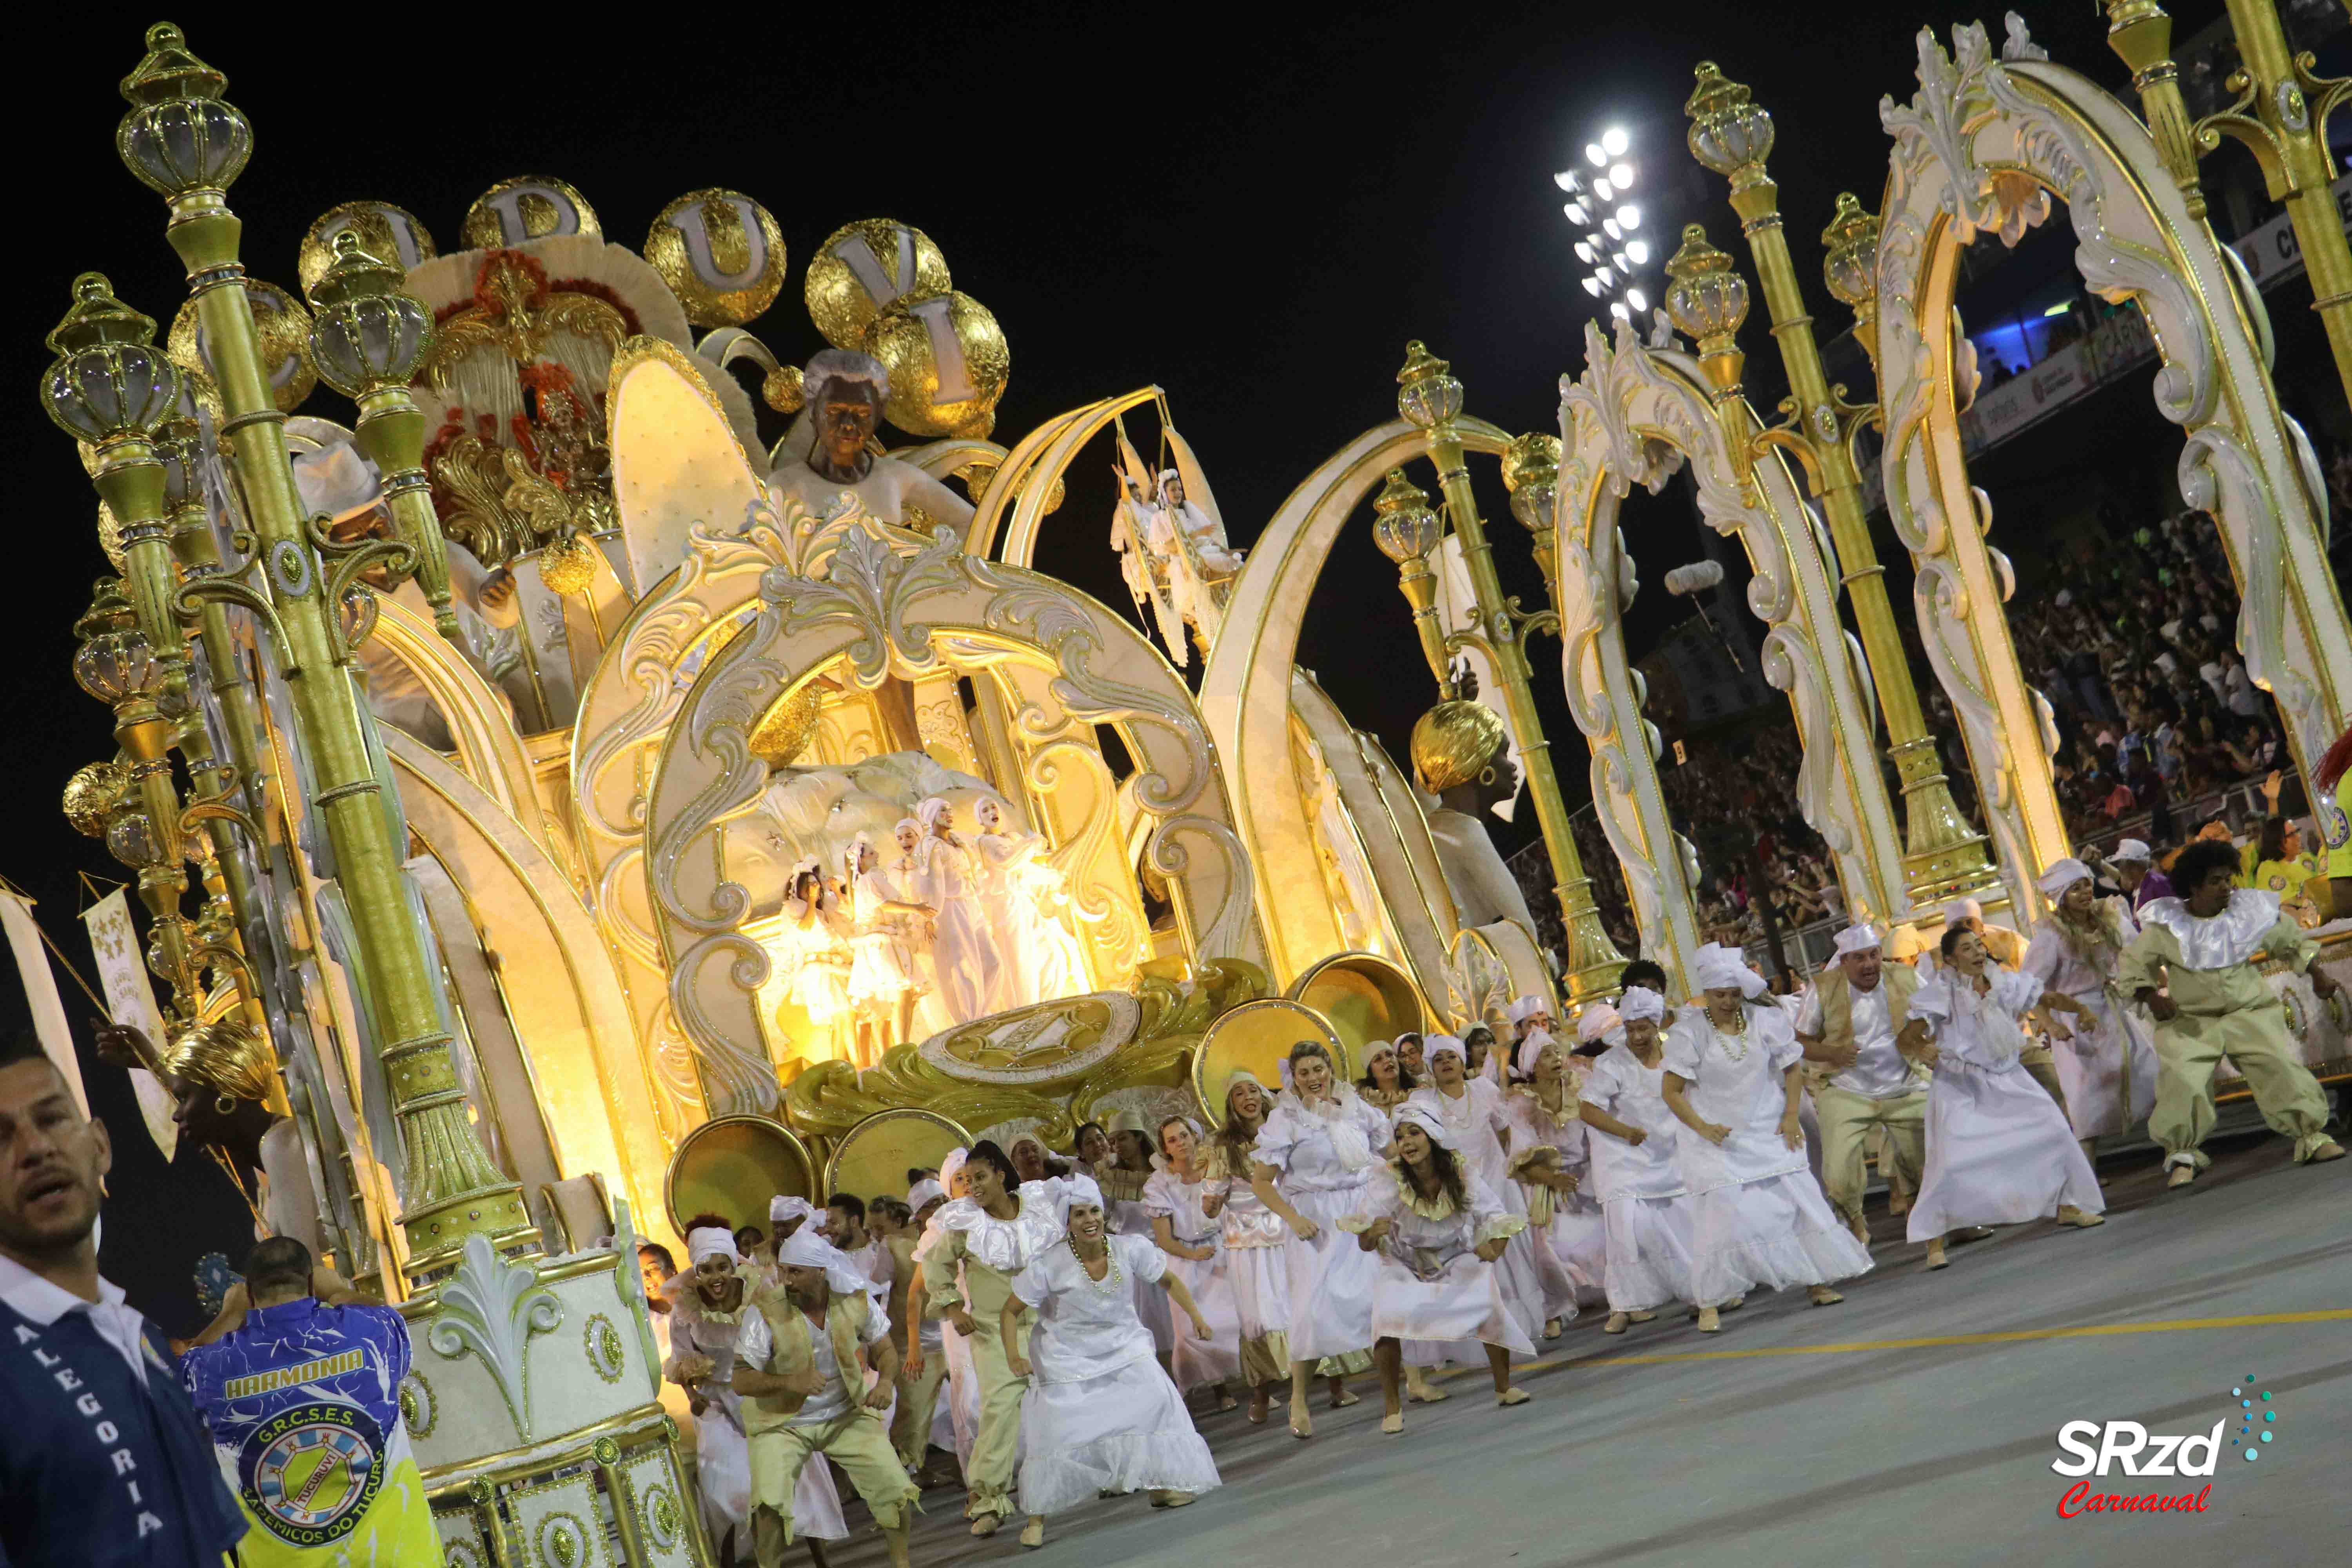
(1847, 1024)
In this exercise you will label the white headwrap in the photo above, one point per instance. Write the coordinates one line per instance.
(853, 855)
(927, 1191)
(1435, 1046)
(1860, 938)
(1960, 910)
(711, 1241)
(1532, 1047)
(2063, 875)
(1718, 967)
(1069, 1192)
(948, 1167)
(928, 811)
(806, 1250)
(784, 1206)
(2132, 849)
(1414, 1034)
(1524, 1009)
(1421, 1116)
(1600, 1018)
(907, 822)
(1640, 1002)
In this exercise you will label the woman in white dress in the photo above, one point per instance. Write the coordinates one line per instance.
(1257, 1242)
(1759, 1218)
(1020, 894)
(1121, 1168)
(2108, 1051)
(706, 1307)
(1099, 1416)
(1645, 1203)
(882, 983)
(955, 1420)
(1182, 1229)
(2000, 1150)
(821, 932)
(966, 959)
(908, 882)
(1550, 1165)
(1315, 1155)
(1472, 1112)
(1438, 1232)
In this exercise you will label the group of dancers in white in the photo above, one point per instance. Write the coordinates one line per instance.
(1432, 1212)
(953, 927)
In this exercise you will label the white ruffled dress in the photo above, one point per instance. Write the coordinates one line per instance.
(1257, 1250)
(2000, 1151)
(2108, 1068)
(1429, 1283)
(1100, 1415)
(1759, 1218)
(1214, 1359)
(1566, 1235)
(1645, 1206)
(1325, 1155)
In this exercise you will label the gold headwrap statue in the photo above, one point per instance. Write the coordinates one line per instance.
(226, 1057)
(1453, 743)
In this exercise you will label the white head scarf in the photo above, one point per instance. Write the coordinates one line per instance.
(927, 1191)
(1960, 910)
(2063, 875)
(711, 1241)
(1532, 1047)
(986, 809)
(928, 812)
(806, 1250)
(1072, 1190)
(1421, 1116)
(1859, 938)
(1599, 1019)
(2132, 849)
(907, 822)
(1435, 1046)
(852, 857)
(1525, 1007)
(1717, 966)
(783, 1206)
(950, 1166)
(1640, 1002)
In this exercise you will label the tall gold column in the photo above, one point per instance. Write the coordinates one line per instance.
(1406, 531)
(183, 140)
(1430, 397)
(2280, 115)
(1943, 857)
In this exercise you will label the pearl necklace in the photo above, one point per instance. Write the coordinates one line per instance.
(1111, 1279)
(1734, 1045)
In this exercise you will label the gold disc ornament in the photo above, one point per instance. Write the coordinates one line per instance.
(721, 254)
(525, 208)
(1364, 995)
(948, 364)
(283, 327)
(875, 1156)
(385, 231)
(733, 1165)
(1255, 1037)
(864, 269)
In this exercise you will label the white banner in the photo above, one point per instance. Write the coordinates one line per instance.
(2273, 253)
(41, 991)
(131, 1000)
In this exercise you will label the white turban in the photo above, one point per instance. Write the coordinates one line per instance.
(1961, 910)
(806, 1250)
(1069, 1192)
(2132, 849)
(1532, 1047)
(1718, 967)
(711, 1241)
(1525, 1007)
(2063, 875)
(1421, 1116)
(1438, 1045)
(907, 822)
(928, 812)
(1640, 1002)
(926, 1191)
(1598, 1020)
(950, 1166)
(783, 1206)
(1860, 938)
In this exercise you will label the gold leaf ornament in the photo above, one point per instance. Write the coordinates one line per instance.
(569, 564)
(782, 390)
(722, 255)
(283, 327)
(864, 269)
(92, 795)
(784, 730)
(526, 208)
(392, 233)
(948, 362)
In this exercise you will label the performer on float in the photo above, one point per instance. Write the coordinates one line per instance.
(908, 881)
(882, 983)
(1438, 1234)
(1483, 1059)
(1182, 1228)
(819, 932)
(976, 1247)
(826, 452)
(1315, 1155)
(1526, 1014)
(1847, 1026)
(1758, 1217)
(1017, 895)
(706, 1313)
(967, 960)
(1219, 560)
(1101, 1416)
(815, 1364)
(1385, 1084)
(1645, 1199)
(1998, 1151)
(2217, 1003)
(1258, 1243)
(1412, 1057)
(1140, 531)
(2075, 950)
(1550, 1165)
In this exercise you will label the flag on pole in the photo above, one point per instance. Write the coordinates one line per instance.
(131, 1000)
(41, 991)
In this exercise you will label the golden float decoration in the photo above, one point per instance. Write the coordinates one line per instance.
(1364, 996)
(540, 206)
(901, 340)
(839, 303)
(876, 1155)
(568, 565)
(733, 1165)
(390, 232)
(1453, 741)
(94, 794)
(784, 730)
(782, 390)
(1255, 1038)
(283, 325)
(728, 240)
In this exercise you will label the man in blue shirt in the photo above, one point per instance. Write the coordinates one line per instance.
(102, 1461)
(302, 1397)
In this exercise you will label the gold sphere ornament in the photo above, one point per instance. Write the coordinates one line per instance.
(283, 327)
(782, 390)
(94, 794)
(1533, 457)
(864, 269)
(1453, 743)
(948, 362)
(568, 565)
(392, 233)
(784, 731)
(1404, 525)
(526, 208)
(721, 254)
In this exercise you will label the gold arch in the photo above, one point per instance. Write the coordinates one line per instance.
(1047, 450)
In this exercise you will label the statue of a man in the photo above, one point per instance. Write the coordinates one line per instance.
(1460, 751)
(825, 453)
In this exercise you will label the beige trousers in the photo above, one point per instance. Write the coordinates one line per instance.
(919, 1402)
(996, 1449)
(2188, 1049)
(858, 1441)
(1847, 1120)
(2039, 1066)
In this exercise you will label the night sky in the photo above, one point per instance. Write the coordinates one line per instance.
(1257, 221)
